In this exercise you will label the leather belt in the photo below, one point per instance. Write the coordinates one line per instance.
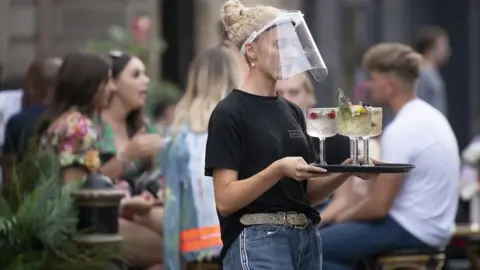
(289, 219)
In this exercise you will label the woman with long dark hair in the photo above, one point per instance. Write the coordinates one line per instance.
(66, 127)
(83, 87)
(127, 140)
(127, 143)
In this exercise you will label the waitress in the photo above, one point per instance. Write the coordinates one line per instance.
(258, 152)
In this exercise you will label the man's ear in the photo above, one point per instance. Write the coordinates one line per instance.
(392, 80)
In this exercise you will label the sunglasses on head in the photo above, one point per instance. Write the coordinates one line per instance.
(115, 54)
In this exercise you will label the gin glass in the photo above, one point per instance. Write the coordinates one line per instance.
(354, 121)
(322, 123)
(377, 118)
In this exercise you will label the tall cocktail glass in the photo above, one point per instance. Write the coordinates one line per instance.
(355, 122)
(377, 118)
(322, 123)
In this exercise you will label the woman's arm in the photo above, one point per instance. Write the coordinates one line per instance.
(114, 168)
(73, 174)
(232, 195)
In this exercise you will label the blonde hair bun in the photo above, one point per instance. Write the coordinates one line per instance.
(239, 22)
(231, 13)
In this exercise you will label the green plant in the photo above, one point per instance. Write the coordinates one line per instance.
(38, 220)
(118, 38)
(161, 91)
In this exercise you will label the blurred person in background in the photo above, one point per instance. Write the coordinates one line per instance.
(190, 205)
(433, 43)
(401, 211)
(67, 128)
(10, 104)
(298, 90)
(128, 142)
(39, 84)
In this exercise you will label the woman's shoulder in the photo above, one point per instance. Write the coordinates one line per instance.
(71, 123)
(228, 110)
(71, 126)
(233, 102)
(72, 137)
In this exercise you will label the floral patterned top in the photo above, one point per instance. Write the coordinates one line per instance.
(72, 136)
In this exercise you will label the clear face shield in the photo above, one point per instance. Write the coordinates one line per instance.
(289, 48)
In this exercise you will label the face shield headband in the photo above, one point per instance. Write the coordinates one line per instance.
(294, 50)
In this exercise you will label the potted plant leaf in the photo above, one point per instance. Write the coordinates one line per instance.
(38, 221)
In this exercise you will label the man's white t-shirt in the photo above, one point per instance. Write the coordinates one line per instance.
(427, 202)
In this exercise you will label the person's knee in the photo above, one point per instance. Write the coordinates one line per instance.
(141, 246)
(153, 220)
(334, 245)
(329, 243)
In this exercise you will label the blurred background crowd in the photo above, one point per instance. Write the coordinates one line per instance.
(167, 35)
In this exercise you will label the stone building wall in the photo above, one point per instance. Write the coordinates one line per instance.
(53, 27)
(207, 17)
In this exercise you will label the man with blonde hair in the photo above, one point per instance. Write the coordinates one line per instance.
(401, 211)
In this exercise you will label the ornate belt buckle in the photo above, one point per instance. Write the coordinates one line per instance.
(299, 227)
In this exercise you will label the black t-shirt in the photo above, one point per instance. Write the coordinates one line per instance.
(337, 149)
(247, 133)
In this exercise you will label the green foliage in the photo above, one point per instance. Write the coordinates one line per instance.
(162, 91)
(119, 38)
(38, 220)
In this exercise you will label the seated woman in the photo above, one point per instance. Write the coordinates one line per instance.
(127, 143)
(192, 231)
(82, 85)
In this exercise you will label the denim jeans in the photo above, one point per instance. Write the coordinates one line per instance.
(275, 247)
(346, 244)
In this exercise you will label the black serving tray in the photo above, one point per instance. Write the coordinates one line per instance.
(379, 168)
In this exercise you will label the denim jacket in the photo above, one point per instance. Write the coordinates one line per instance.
(191, 227)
